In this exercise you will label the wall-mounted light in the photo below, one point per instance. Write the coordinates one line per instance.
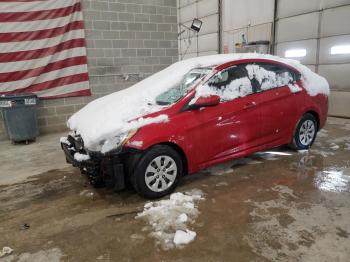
(196, 25)
(295, 53)
(340, 50)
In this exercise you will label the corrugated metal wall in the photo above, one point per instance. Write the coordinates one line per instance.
(206, 42)
(317, 26)
(253, 18)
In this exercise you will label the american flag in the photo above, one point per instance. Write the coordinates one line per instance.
(42, 48)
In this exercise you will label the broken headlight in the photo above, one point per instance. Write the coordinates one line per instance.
(117, 141)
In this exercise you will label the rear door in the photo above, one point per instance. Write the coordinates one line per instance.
(279, 99)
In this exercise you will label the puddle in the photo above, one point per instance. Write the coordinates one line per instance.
(333, 180)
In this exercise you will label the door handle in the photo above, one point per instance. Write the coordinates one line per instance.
(249, 105)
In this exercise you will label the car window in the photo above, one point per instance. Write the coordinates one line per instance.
(173, 94)
(229, 84)
(266, 76)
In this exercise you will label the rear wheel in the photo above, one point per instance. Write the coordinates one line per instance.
(158, 172)
(305, 133)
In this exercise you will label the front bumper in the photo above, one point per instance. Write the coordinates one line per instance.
(69, 152)
(108, 169)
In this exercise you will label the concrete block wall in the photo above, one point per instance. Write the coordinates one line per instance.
(134, 38)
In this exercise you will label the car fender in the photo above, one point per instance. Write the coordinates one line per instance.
(161, 133)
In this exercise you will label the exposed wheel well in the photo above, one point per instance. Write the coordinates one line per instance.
(181, 153)
(316, 117)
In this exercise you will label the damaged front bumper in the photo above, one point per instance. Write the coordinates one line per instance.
(110, 169)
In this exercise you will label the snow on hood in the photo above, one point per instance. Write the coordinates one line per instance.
(113, 114)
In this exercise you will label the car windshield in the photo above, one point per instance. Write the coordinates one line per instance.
(173, 94)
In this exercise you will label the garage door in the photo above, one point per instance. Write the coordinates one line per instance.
(318, 34)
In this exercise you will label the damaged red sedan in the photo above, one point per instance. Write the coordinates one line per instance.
(194, 114)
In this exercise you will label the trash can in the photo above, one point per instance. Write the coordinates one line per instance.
(20, 116)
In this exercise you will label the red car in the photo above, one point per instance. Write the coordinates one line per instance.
(215, 114)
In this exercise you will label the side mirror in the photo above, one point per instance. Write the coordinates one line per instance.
(204, 101)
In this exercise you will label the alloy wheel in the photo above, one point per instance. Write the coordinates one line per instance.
(307, 132)
(161, 173)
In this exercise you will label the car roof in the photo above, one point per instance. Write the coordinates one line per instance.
(251, 60)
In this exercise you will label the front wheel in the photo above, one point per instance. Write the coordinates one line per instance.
(305, 133)
(158, 172)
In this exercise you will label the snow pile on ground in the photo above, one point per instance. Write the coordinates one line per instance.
(5, 251)
(113, 114)
(169, 218)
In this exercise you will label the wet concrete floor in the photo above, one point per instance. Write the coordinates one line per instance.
(276, 206)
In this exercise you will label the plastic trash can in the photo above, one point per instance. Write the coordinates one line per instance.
(20, 116)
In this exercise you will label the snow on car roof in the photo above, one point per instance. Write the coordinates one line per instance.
(111, 115)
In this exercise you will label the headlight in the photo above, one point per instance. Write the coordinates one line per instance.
(117, 141)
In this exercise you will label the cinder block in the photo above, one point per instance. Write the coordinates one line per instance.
(142, 18)
(105, 61)
(163, 10)
(142, 35)
(46, 111)
(128, 17)
(93, 34)
(119, 26)
(42, 121)
(120, 43)
(103, 43)
(150, 43)
(148, 9)
(55, 128)
(158, 52)
(152, 60)
(117, 7)
(128, 52)
(136, 43)
(144, 52)
(110, 16)
(170, 36)
(157, 19)
(157, 68)
(169, 19)
(64, 110)
(135, 26)
(164, 27)
(132, 8)
(171, 3)
(171, 52)
(110, 35)
(54, 120)
(127, 35)
(98, 5)
(112, 52)
(157, 35)
(149, 27)
(146, 69)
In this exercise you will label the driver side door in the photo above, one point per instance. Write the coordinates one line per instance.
(221, 131)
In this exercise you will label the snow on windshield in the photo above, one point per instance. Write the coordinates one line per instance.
(178, 91)
(111, 115)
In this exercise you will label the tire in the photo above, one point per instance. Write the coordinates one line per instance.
(158, 172)
(305, 132)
